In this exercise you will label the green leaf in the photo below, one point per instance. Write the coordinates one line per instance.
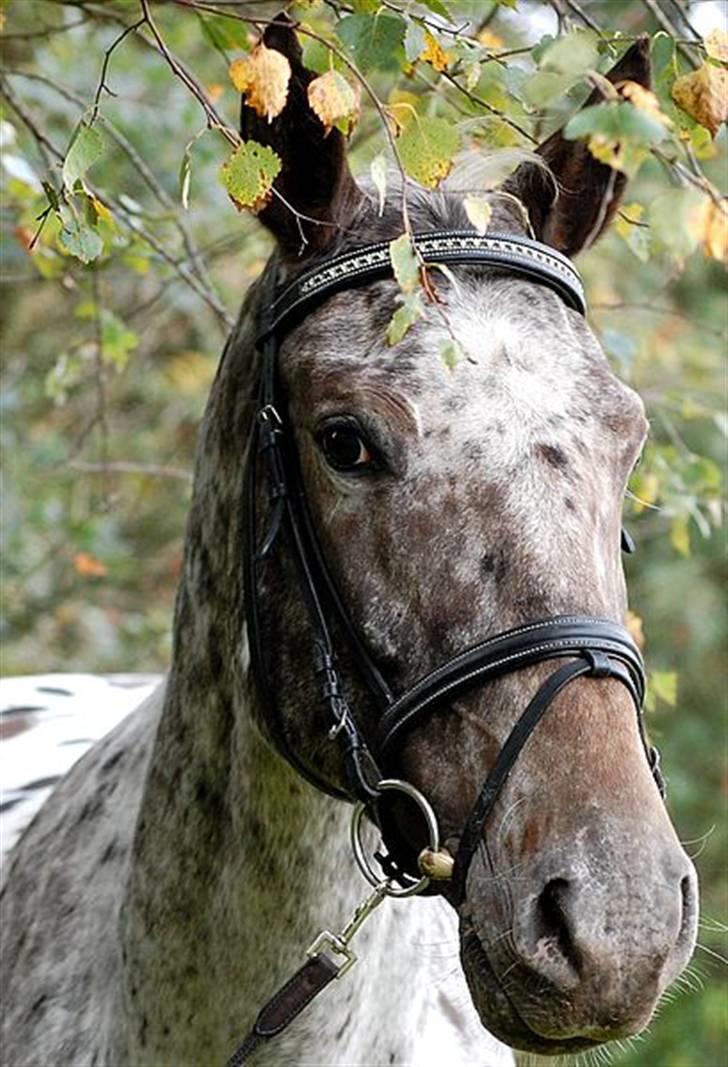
(117, 341)
(224, 33)
(185, 170)
(414, 41)
(426, 148)
(662, 53)
(616, 120)
(451, 353)
(405, 263)
(561, 64)
(80, 240)
(86, 148)
(439, 8)
(404, 317)
(375, 41)
(670, 216)
(664, 686)
(249, 173)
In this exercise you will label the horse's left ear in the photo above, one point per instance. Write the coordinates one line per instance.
(571, 207)
(314, 193)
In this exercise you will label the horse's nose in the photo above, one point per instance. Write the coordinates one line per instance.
(616, 935)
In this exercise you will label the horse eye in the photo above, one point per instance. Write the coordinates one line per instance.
(344, 447)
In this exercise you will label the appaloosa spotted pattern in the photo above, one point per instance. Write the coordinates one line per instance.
(180, 870)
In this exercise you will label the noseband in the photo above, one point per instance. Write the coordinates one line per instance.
(592, 647)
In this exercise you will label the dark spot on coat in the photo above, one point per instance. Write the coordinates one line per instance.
(38, 1004)
(569, 504)
(342, 1029)
(91, 808)
(112, 761)
(552, 454)
(109, 852)
(487, 565)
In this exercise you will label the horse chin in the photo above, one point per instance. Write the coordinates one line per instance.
(502, 1018)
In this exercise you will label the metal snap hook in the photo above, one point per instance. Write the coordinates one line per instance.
(363, 862)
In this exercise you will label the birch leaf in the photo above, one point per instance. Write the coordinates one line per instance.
(378, 171)
(426, 148)
(405, 317)
(262, 78)
(716, 45)
(703, 95)
(333, 100)
(373, 40)
(479, 212)
(709, 223)
(434, 54)
(80, 240)
(249, 173)
(86, 148)
(451, 353)
(405, 264)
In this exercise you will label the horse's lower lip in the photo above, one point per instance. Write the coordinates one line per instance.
(519, 1034)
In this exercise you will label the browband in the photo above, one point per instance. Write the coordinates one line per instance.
(518, 255)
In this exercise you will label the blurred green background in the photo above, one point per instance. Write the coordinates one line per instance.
(106, 367)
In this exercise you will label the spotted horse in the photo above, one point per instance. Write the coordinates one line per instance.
(394, 572)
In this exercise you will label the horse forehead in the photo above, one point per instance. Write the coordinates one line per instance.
(527, 364)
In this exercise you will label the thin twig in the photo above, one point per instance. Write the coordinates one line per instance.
(214, 120)
(122, 466)
(48, 31)
(102, 86)
(670, 28)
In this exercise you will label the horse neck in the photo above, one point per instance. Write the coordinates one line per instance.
(231, 848)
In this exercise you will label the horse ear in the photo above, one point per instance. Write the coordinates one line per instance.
(315, 180)
(571, 206)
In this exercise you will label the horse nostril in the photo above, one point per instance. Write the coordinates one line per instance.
(687, 917)
(552, 920)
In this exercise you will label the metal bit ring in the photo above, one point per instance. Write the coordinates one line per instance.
(363, 861)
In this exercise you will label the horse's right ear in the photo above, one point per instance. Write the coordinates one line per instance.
(573, 198)
(315, 180)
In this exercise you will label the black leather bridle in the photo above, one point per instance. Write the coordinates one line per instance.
(594, 647)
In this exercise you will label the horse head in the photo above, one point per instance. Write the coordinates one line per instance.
(452, 504)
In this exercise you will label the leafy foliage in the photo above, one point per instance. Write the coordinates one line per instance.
(120, 157)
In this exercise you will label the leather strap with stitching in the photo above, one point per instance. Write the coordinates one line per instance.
(286, 1004)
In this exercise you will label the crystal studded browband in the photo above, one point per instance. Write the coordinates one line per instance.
(517, 255)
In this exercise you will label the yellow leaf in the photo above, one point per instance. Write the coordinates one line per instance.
(628, 216)
(716, 45)
(607, 150)
(262, 77)
(433, 53)
(644, 100)
(88, 566)
(680, 535)
(489, 39)
(635, 626)
(101, 210)
(334, 101)
(479, 211)
(215, 91)
(703, 94)
(709, 223)
(190, 372)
